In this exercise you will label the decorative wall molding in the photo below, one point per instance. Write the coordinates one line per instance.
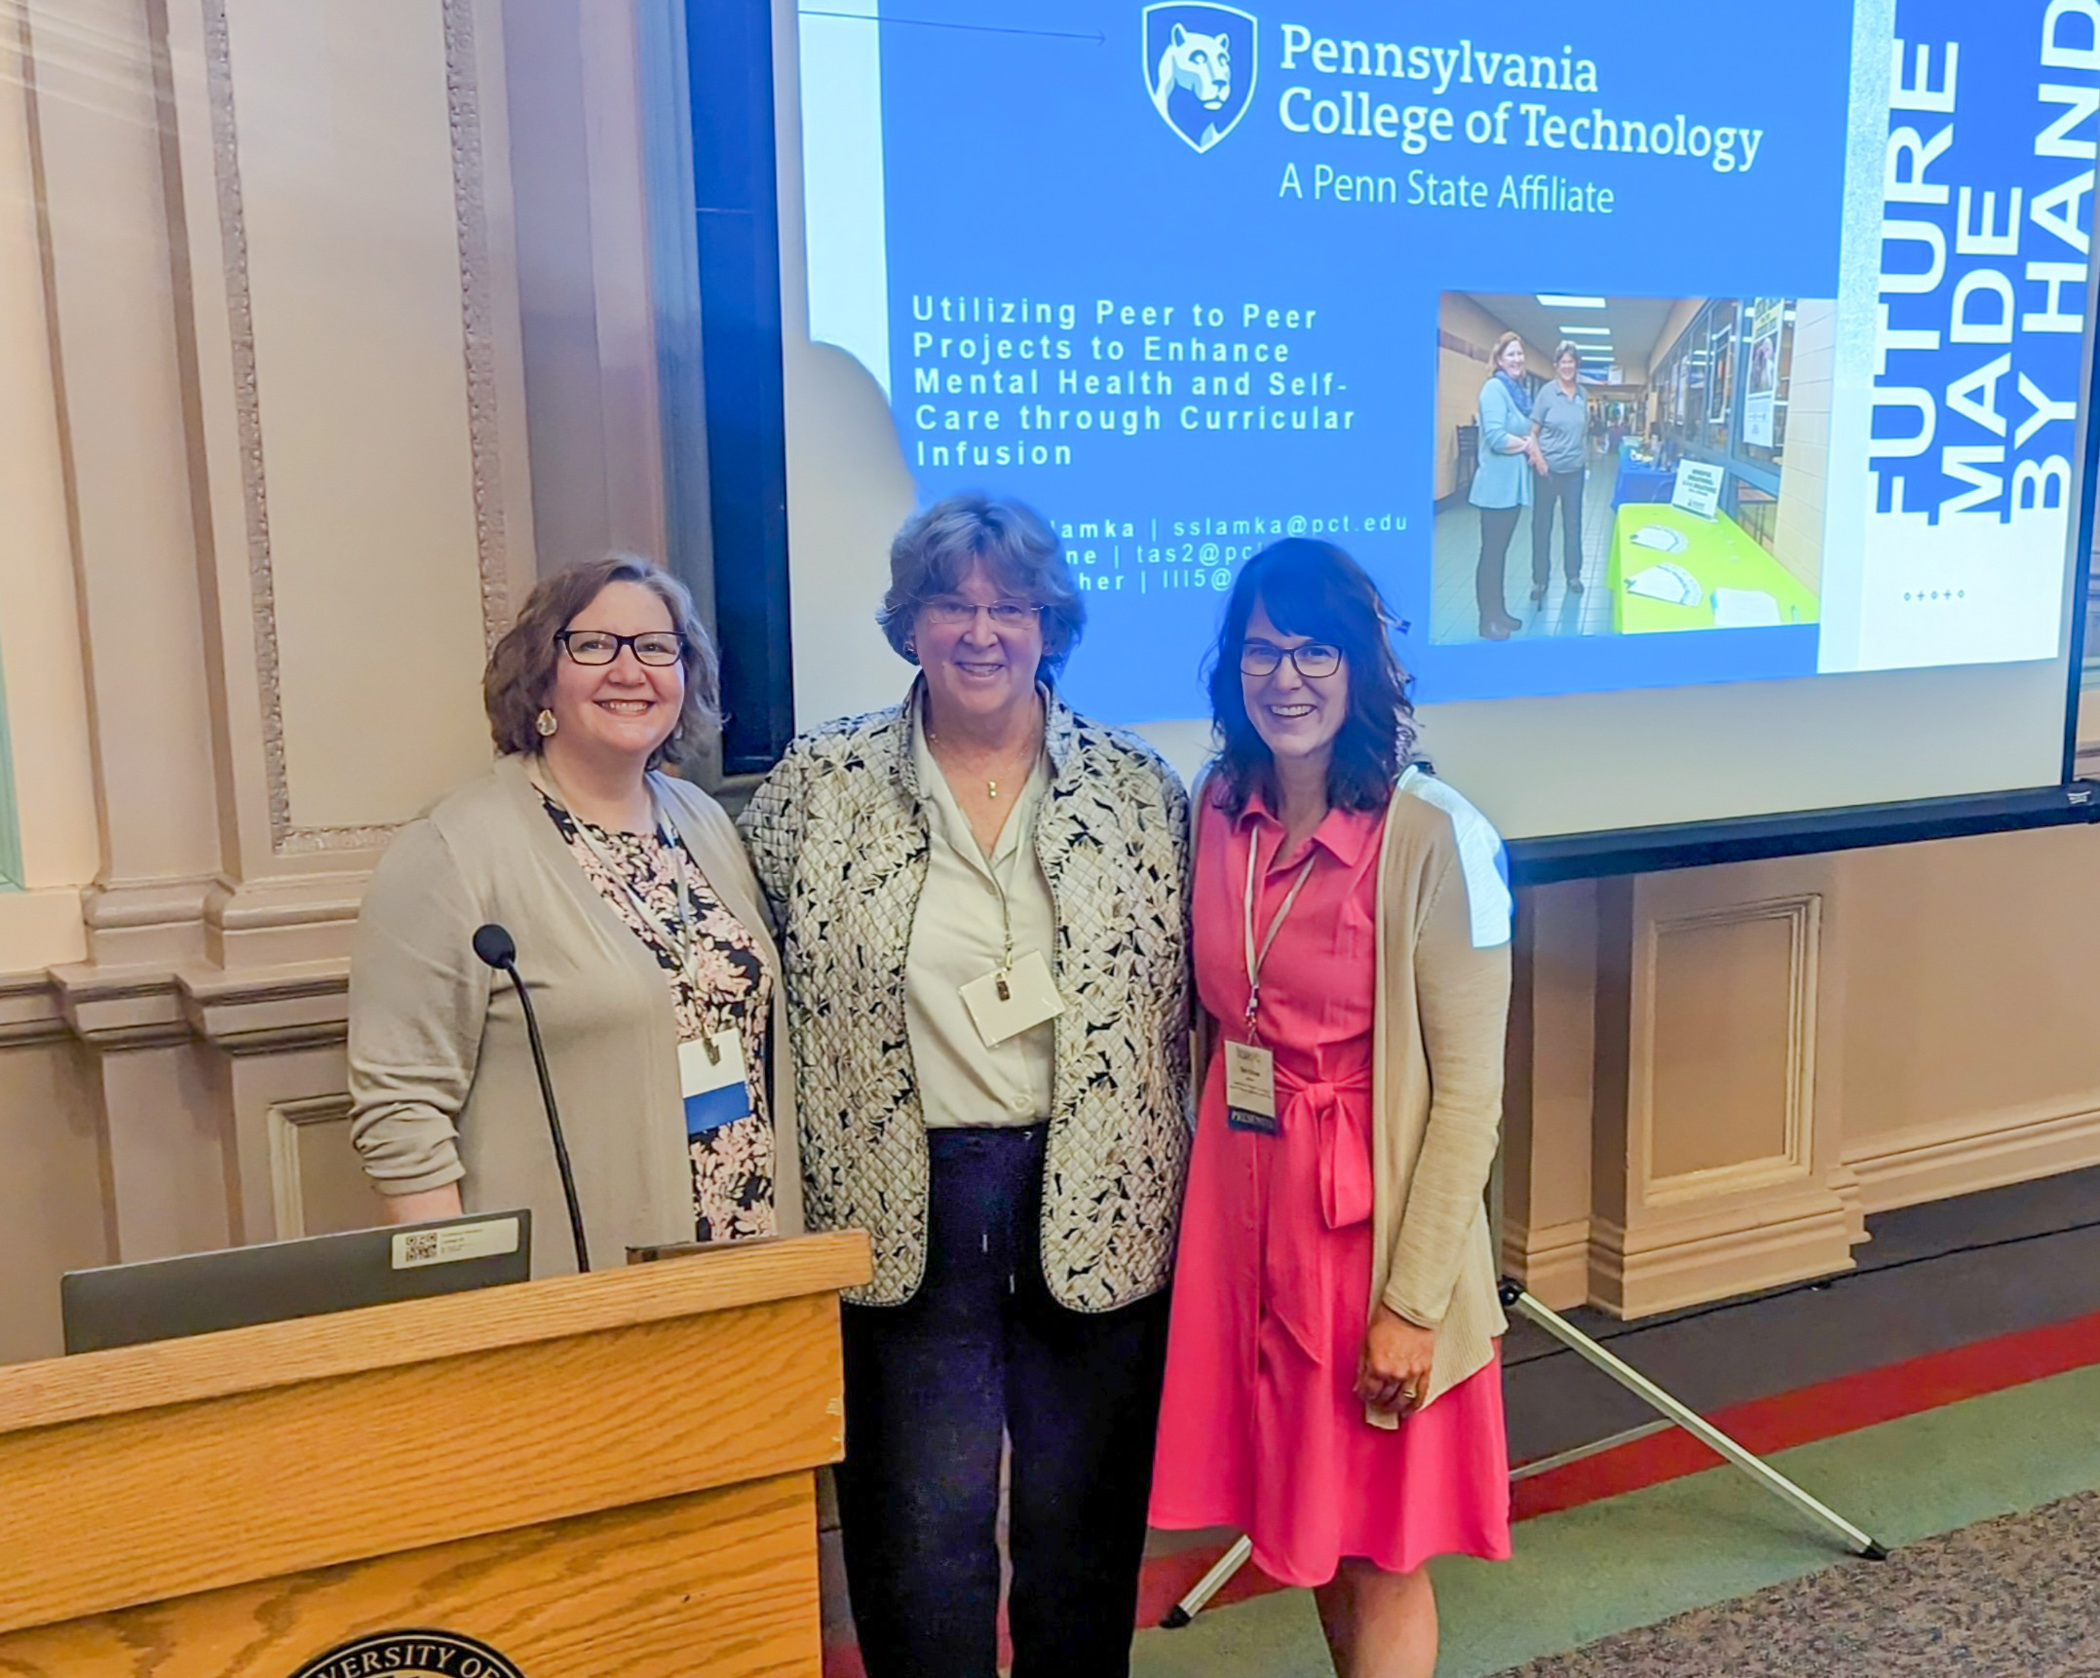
(251, 1013)
(478, 348)
(262, 926)
(287, 1188)
(1553, 1261)
(112, 1008)
(1976, 1151)
(476, 288)
(267, 1014)
(30, 1011)
(1722, 1253)
(140, 923)
(233, 253)
(1802, 917)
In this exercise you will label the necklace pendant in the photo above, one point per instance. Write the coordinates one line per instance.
(991, 789)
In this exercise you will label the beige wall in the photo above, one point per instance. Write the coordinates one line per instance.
(1969, 962)
(54, 1214)
(1460, 374)
(352, 277)
(1729, 1067)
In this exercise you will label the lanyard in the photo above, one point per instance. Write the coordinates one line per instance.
(1006, 927)
(1255, 958)
(682, 940)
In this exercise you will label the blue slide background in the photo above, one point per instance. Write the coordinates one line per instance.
(1032, 163)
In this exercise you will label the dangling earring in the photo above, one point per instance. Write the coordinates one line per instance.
(545, 723)
(911, 649)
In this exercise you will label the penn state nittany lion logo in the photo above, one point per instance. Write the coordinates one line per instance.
(1199, 67)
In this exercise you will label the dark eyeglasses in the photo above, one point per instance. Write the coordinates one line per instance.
(1313, 660)
(659, 647)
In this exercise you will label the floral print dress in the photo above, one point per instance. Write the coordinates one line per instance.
(732, 1164)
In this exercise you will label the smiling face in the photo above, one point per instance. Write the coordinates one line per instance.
(974, 666)
(1511, 361)
(1297, 716)
(626, 709)
(1567, 367)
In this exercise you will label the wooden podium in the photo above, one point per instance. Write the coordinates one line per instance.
(604, 1476)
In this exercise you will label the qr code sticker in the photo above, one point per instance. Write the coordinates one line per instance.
(454, 1243)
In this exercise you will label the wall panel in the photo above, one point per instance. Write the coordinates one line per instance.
(54, 1211)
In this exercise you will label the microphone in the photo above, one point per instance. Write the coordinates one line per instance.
(496, 948)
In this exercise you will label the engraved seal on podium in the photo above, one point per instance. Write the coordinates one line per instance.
(410, 1654)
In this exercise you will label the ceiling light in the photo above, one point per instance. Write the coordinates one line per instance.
(1587, 331)
(1554, 300)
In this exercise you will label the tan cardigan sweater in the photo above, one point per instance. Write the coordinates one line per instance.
(1441, 1018)
(442, 1088)
(1439, 1021)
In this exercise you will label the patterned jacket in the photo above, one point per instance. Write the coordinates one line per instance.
(838, 835)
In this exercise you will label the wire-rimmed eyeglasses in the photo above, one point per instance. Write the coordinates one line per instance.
(950, 611)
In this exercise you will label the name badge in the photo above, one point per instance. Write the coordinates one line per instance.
(1250, 1088)
(711, 1078)
(1004, 1004)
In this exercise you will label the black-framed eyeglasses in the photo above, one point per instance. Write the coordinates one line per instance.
(951, 612)
(658, 647)
(1313, 660)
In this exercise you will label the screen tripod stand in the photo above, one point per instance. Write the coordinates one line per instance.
(1675, 1413)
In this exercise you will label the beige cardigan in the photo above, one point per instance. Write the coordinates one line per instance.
(1440, 1016)
(441, 1082)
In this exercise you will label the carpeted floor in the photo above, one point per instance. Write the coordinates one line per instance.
(2017, 1597)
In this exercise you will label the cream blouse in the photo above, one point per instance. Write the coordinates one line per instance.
(957, 935)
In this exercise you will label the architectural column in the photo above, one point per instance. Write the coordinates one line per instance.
(1546, 1148)
(286, 410)
(97, 112)
(364, 524)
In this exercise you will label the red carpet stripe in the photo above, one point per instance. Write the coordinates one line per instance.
(1764, 1425)
(1823, 1411)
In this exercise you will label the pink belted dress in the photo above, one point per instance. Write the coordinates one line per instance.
(1260, 1427)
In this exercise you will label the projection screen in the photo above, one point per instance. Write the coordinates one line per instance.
(1191, 277)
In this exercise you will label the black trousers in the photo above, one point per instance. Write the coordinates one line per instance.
(1497, 526)
(981, 1351)
(1562, 490)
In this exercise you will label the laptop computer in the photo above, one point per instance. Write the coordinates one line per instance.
(199, 1293)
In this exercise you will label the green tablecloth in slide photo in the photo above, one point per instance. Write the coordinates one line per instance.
(1717, 553)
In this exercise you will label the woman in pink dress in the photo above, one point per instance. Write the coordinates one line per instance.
(1333, 1388)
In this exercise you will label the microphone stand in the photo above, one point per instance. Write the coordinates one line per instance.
(509, 965)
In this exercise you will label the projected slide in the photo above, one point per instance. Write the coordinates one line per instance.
(1648, 492)
(1631, 346)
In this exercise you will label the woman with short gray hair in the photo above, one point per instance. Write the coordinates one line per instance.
(981, 902)
(1560, 426)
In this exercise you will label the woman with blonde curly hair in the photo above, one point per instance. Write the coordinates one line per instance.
(639, 933)
(1501, 488)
